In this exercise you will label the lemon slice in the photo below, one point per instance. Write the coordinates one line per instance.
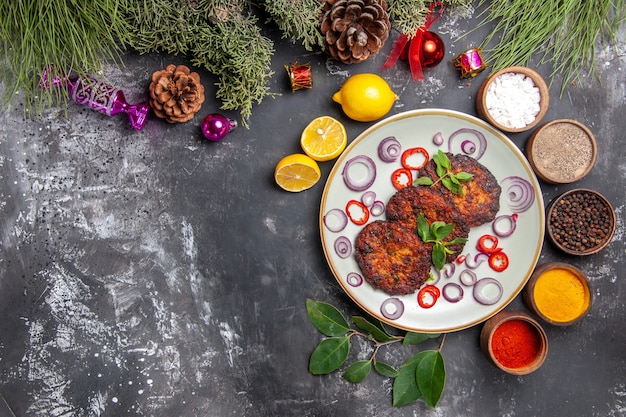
(324, 138)
(297, 172)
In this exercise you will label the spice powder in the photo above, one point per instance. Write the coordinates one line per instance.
(516, 343)
(562, 151)
(560, 295)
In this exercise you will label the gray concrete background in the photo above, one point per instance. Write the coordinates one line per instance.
(153, 273)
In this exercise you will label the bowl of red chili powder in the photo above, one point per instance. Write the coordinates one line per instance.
(514, 342)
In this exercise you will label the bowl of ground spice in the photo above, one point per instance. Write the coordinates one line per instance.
(562, 151)
(558, 293)
(514, 99)
(580, 222)
(514, 342)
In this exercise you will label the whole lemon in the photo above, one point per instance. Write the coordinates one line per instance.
(365, 97)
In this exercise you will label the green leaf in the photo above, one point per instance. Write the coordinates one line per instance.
(463, 176)
(456, 240)
(447, 182)
(326, 318)
(378, 333)
(423, 181)
(423, 230)
(439, 255)
(329, 355)
(358, 371)
(405, 389)
(442, 159)
(413, 338)
(431, 377)
(385, 369)
(441, 230)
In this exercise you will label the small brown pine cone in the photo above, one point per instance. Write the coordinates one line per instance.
(176, 93)
(355, 30)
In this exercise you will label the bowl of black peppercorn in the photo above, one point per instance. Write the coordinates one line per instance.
(581, 222)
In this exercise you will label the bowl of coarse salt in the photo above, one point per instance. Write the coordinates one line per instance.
(513, 99)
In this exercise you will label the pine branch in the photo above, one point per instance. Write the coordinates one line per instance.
(298, 20)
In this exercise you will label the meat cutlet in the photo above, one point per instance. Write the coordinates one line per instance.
(480, 201)
(392, 258)
(408, 203)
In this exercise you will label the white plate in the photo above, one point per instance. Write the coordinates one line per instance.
(501, 157)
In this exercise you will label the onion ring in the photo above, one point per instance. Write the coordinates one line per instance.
(438, 139)
(511, 219)
(452, 297)
(377, 209)
(448, 270)
(363, 182)
(343, 247)
(472, 277)
(472, 262)
(368, 198)
(482, 142)
(396, 304)
(389, 149)
(479, 288)
(335, 220)
(354, 279)
(519, 192)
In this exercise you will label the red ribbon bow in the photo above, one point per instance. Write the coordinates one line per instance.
(415, 46)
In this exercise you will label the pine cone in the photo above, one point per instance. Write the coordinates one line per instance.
(355, 30)
(176, 93)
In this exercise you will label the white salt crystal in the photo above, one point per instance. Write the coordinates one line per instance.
(512, 100)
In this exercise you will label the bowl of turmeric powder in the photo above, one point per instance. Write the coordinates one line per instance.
(514, 342)
(558, 293)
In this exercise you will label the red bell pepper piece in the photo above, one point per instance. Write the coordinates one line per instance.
(401, 178)
(428, 296)
(357, 212)
(498, 261)
(488, 244)
(408, 158)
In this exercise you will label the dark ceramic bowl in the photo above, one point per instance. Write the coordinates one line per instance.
(490, 351)
(481, 98)
(564, 297)
(581, 222)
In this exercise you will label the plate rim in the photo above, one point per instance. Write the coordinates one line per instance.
(473, 120)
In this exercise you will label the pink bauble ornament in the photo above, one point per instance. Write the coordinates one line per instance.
(215, 126)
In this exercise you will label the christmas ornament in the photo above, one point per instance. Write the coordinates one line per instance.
(470, 63)
(215, 126)
(355, 30)
(99, 96)
(300, 76)
(176, 93)
(425, 50)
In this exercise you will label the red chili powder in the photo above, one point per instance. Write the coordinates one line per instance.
(515, 343)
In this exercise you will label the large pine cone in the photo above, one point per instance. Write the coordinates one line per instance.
(355, 30)
(176, 93)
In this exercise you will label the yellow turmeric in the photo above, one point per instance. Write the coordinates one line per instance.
(560, 295)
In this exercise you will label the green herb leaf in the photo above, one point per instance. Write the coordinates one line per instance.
(413, 338)
(423, 229)
(326, 318)
(405, 388)
(431, 377)
(358, 371)
(423, 181)
(440, 230)
(385, 369)
(464, 176)
(442, 159)
(438, 255)
(329, 355)
(378, 333)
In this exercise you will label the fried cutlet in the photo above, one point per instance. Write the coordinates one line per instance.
(480, 201)
(408, 203)
(392, 258)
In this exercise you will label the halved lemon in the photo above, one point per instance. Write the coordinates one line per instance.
(324, 138)
(297, 172)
